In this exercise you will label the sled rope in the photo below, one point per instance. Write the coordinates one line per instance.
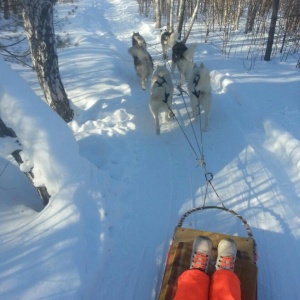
(189, 212)
(174, 117)
(181, 90)
(200, 161)
(154, 47)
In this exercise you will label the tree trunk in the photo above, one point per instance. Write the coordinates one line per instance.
(180, 17)
(191, 22)
(272, 30)
(298, 63)
(252, 11)
(6, 9)
(158, 14)
(38, 23)
(42, 190)
(238, 14)
(140, 7)
(170, 17)
(8, 132)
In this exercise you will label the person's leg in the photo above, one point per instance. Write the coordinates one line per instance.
(193, 284)
(225, 284)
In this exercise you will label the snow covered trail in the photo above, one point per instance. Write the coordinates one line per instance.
(157, 178)
(114, 241)
(138, 207)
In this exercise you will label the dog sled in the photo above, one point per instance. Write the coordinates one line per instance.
(179, 254)
(178, 258)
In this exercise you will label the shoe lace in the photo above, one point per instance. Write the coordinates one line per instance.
(226, 263)
(199, 261)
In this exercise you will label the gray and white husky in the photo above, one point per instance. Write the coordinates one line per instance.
(143, 63)
(137, 39)
(161, 97)
(199, 89)
(168, 40)
(183, 59)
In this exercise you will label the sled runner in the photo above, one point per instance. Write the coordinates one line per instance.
(178, 259)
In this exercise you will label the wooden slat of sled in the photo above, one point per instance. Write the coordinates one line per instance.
(179, 261)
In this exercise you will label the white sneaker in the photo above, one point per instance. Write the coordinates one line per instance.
(202, 247)
(226, 255)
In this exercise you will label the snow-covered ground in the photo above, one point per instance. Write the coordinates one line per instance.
(118, 189)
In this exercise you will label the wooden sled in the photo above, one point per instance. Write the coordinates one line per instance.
(179, 260)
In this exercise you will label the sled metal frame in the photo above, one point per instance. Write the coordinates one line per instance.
(178, 261)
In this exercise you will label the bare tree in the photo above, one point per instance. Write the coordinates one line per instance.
(191, 22)
(144, 7)
(169, 14)
(238, 13)
(225, 16)
(180, 17)
(38, 23)
(270, 41)
(158, 13)
(253, 7)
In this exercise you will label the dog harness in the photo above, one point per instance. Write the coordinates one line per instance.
(196, 79)
(166, 97)
(161, 84)
(163, 81)
(195, 82)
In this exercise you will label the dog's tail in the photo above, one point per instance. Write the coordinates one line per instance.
(189, 53)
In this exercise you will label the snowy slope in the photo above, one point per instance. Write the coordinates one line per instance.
(120, 190)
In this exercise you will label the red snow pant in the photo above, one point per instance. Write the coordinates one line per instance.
(194, 284)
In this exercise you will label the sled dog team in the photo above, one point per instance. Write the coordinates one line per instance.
(161, 87)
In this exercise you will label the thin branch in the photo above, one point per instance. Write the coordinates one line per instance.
(16, 43)
(4, 168)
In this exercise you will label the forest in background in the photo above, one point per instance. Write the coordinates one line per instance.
(260, 23)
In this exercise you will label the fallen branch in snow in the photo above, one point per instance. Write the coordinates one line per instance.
(8, 132)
